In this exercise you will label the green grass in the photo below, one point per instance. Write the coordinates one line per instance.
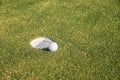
(87, 31)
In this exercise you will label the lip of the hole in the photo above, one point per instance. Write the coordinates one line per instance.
(40, 43)
(36, 41)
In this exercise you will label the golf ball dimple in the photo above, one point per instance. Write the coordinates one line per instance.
(53, 46)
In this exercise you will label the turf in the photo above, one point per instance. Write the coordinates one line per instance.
(87, 32)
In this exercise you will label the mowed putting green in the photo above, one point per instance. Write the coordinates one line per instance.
(87, 32)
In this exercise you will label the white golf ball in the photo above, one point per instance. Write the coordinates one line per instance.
(53, 46)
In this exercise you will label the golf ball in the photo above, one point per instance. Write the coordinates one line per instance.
(53, 46)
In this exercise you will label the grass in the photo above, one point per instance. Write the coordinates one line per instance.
(87, 31)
